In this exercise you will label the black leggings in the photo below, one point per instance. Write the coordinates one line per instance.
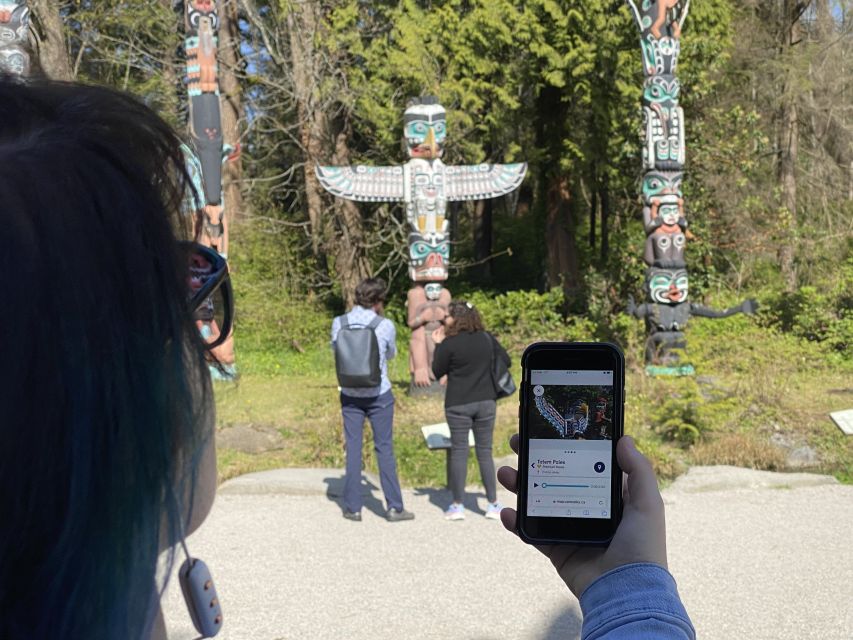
(479, 416)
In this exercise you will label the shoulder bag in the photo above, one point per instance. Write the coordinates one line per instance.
(501, 377)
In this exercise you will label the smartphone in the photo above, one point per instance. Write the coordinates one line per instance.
(571, 412)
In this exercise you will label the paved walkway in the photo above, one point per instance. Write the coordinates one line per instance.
(757, 555)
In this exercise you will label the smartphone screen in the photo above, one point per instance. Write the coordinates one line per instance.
(571, 414)
(570, 424)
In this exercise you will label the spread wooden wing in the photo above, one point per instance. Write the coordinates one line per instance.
(481, 181)
(363, 183)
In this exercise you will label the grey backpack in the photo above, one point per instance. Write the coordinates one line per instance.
(357, 355)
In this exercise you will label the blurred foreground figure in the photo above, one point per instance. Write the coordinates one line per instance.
(107, 427)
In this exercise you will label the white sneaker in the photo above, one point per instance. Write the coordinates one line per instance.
(493, 511)
(455, 512)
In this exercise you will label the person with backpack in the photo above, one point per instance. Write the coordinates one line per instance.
(363, 342)
(467, 354)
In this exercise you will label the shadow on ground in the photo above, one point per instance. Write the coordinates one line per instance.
(370, 491)
(442, 498)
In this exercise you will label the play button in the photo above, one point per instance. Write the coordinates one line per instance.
(535, 485)
(599, 467)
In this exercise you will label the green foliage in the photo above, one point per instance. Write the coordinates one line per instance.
(679, 417)
(522, 317)
(270, 314)
(817, 313)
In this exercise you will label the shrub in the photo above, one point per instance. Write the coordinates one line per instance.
(522, 317)
(819, 313)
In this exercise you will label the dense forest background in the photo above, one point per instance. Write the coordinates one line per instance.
(767, 93)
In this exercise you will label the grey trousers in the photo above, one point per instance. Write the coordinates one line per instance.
(479, 416)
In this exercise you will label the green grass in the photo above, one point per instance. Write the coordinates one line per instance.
(751, 383)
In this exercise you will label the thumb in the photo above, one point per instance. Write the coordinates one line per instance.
(642, 483)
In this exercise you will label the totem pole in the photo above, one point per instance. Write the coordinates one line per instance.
(14, 37)
(201, 24)
(667, 310)
(425, 184)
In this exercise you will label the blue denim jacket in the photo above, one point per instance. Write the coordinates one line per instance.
(635, 602)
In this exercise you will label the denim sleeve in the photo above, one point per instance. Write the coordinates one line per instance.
(635, 602)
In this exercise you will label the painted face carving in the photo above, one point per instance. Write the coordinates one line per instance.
(433, 291)
(202, 9)
(662, 196)
(429, 255)
(663, 89)
(663, 186)
(14, 60)
(667, 286)
(425, 128)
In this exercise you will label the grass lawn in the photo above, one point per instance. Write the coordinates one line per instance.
(757, 396)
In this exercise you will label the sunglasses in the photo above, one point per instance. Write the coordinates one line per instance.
(211, 300)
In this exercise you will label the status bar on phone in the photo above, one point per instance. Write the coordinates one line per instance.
(571, 377)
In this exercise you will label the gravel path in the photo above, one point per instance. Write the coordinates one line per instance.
(756, 555)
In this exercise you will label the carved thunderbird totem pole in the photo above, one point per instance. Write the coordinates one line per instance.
(205, 124)
(14, 37)
(425, 184)
(667, 309)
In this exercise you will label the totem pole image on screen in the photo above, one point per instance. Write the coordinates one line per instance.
(667, 307)
(583, 412)
(425, 184)
(14, 37)
(204, 161)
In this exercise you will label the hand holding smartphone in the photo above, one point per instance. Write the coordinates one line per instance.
(581, 548)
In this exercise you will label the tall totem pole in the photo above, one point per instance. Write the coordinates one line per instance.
(667, 308)
(201, 44)
(14, 37)
(425, 184)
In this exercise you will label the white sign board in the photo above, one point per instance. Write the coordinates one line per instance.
(437, 436)
(844, 420)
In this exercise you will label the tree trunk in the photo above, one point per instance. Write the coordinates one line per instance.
(348, 244)
(52, 51)
(313, 128)
(788, 144)
(604, 200)
(173, 73)
(560, 237)
(232, 107)
(593, 211)
(482, 223)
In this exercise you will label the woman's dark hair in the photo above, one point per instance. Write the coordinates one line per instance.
(103, 383)
(369, 292)
(465, 316)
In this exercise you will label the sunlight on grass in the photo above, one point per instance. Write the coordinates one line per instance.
(750, 384)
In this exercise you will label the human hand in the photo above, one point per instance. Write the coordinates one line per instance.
(422, 378)
(641, 536)
(438, 335)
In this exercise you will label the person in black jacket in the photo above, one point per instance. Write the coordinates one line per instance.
(464, 353)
